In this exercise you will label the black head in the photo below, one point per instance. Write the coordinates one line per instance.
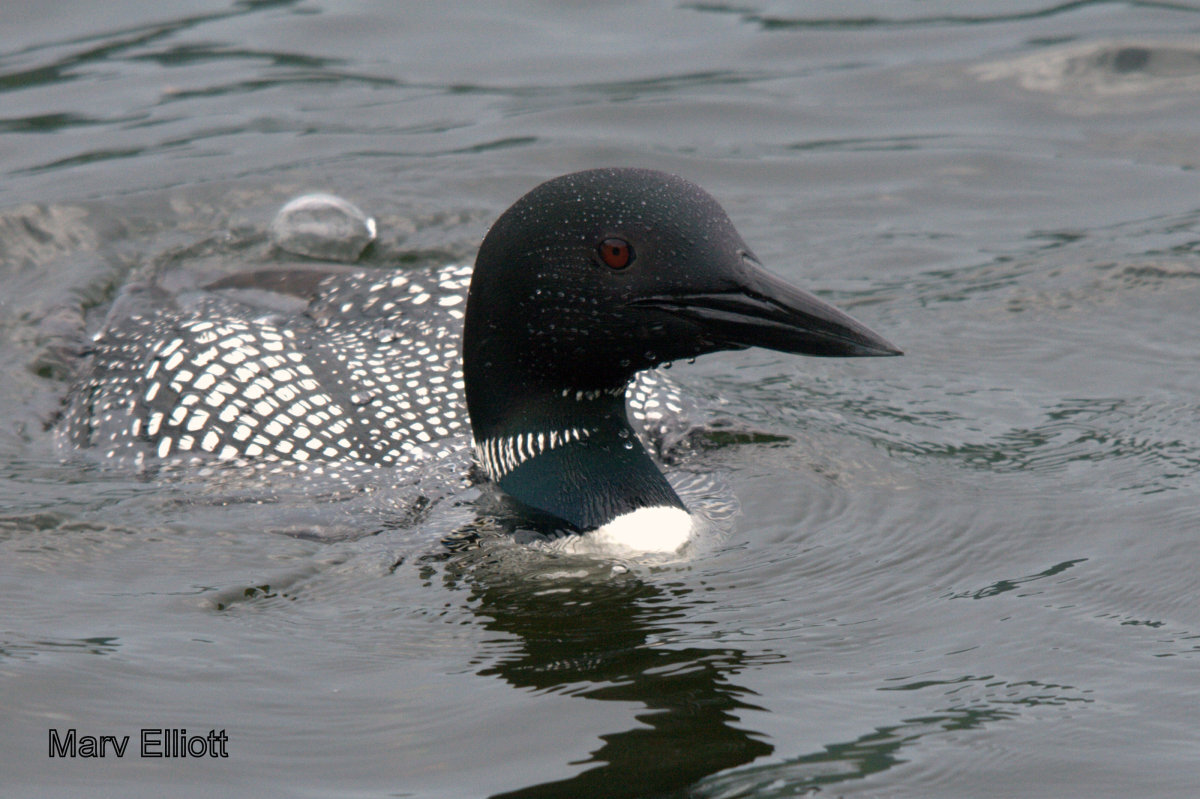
(595, 275)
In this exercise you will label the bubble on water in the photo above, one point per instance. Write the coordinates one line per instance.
(322, 226)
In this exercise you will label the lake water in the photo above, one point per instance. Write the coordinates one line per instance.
(969, 572)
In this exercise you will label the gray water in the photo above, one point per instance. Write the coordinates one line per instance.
(968, 572)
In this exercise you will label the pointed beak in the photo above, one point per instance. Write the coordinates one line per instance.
(765, 311)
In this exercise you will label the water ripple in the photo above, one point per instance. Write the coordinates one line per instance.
(873, 753)
(774, 22)
(1103, 70)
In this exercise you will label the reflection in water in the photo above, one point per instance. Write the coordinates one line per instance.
(1006, 585)
(597, 631)
(875, 752)
(27, 650)
(586, 629)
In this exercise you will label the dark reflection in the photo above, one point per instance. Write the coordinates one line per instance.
(28, 650)
(875, 752)
(771, 22)
(1004, 586)
(603, 636)
(1130, 59)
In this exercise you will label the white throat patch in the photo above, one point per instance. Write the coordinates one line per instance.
(660, 530)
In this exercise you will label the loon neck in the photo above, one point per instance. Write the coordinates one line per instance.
(570, 453)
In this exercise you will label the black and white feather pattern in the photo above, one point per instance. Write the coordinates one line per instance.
(368, 375)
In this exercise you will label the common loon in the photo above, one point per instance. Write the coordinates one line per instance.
(584, 282)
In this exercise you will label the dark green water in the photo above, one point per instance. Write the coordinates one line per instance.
(968, 572)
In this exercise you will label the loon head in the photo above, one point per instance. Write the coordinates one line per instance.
(584, 281)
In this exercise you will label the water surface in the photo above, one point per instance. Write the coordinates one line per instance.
(968, 572)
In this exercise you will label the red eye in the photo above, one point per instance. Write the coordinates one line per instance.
(616, 253)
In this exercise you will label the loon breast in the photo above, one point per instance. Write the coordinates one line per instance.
(645, 531)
